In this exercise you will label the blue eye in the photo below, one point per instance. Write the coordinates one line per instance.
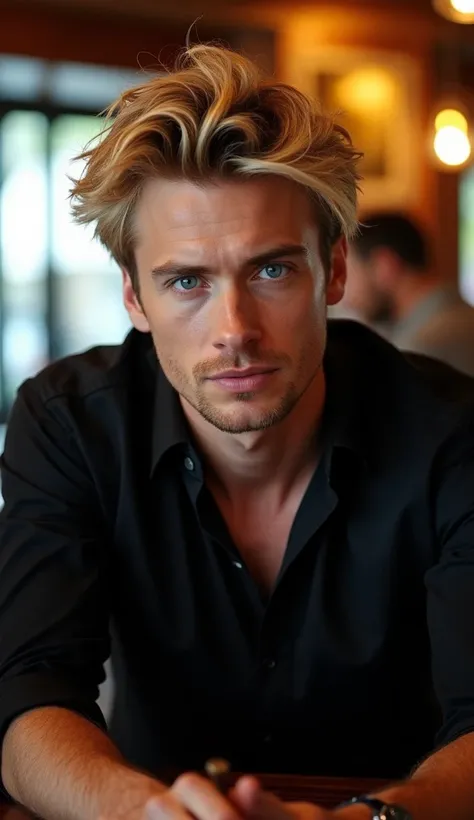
(186, 282)
(274, 271)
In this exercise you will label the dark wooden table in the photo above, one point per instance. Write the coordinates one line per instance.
(326, 791)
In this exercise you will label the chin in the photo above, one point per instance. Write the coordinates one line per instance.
(240, 426)
(244, 419)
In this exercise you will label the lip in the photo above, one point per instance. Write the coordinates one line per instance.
(243, 373)
(248, 380)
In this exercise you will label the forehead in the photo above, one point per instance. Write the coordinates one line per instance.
(251, 211)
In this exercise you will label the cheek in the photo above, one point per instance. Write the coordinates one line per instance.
(168, 321)
(166, 334)
(177, 341)
(300, 322)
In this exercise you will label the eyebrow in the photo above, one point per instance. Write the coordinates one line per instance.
(175, 270)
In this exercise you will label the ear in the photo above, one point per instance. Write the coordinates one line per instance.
(132, 304)
(338, 272)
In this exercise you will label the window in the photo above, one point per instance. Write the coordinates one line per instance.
(59, 290)
(466, 235)
(23, 243)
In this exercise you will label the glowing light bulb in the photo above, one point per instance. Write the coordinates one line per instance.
(460, 11)
(452, 146)
(463, 6)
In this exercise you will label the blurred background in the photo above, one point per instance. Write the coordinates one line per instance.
(401, 72)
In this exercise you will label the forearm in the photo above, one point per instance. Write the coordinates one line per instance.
(442, 787)
(62, 767)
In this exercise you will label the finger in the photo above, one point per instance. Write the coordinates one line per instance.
(165, 807)
(245, 793)
(201, 798)
(258, 804)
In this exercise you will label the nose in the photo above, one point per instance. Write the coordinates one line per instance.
(235, 320)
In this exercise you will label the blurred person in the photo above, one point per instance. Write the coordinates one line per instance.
(266, 519)
(392, 287)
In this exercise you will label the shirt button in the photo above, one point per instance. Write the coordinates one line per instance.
(237, 564)
(269, 663)
(189, 463)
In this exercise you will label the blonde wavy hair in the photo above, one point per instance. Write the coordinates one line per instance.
(214, 116)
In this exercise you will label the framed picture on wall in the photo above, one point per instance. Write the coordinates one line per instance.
(376, 96)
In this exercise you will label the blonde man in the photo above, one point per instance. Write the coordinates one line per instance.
(274, 516)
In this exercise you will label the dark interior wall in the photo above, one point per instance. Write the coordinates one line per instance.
(82, 35)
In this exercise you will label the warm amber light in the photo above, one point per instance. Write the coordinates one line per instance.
(463, 6)
(451, 117)
(452, 146)
(368, 89)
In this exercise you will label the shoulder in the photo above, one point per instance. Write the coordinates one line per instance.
(96, 371)
(405, 400)
(440, 380)
(384, 369)
(76, 414)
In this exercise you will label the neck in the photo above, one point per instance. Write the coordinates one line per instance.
(413, 289)
(275, 458)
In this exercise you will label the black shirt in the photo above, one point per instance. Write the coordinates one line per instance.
(363, 658)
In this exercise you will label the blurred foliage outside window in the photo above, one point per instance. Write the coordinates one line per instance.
(59, 290)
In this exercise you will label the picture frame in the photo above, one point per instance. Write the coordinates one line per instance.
(383, 114)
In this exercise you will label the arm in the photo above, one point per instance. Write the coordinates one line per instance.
(440, 789)
(53, 619)
(443, 785)
(60, 765)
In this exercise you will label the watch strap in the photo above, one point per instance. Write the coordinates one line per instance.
(380, 810)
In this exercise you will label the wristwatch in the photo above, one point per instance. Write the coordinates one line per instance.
(380, 810)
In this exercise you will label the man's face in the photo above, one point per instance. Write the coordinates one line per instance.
(364, 297)
(231, 279)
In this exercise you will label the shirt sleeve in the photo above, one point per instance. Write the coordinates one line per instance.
(450, 586)
(54, 635)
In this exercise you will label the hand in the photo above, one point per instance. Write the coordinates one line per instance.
(256, 804)
(194, 796)
(191, 797)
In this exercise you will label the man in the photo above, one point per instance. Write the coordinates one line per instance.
(276, 518)
(391, 286)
